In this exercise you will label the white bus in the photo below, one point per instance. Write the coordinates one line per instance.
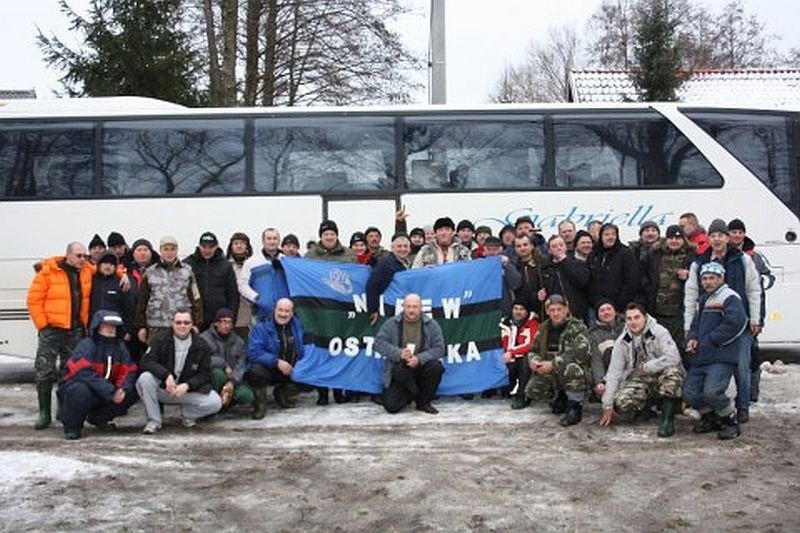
(146, 168)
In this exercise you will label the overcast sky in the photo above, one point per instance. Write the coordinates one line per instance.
(482, 37)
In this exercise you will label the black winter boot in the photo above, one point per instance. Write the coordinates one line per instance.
(43, 393)
(573, 414)
(666, 428)
(730, 428)
(559, 403)
(708, 423)
(322, 396)
(259, 403)
(281, 395)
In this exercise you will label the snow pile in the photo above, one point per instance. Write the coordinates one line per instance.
(20, 469)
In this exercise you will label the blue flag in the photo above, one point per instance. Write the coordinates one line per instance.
(330, 300)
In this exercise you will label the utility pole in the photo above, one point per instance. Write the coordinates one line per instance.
(437, 58)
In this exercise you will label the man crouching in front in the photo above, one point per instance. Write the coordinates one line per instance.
(177, 370)
(411, 345)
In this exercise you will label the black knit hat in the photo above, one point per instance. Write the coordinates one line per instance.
(465, 224)
(209, 239)
(328, 225)
(444, 222)
(417, 231)
(736, 224)
(115, 239)
(717, 225)
(142, 242)
(357, 237)
(108, 257)
(96, 242)
(602, 302)
(648, 224)
(290, 239)
(675, 230)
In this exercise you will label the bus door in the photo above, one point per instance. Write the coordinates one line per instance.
(357, 214)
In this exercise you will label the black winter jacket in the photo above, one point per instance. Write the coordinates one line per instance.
(217, 283)
(614, 275)
(569, 278)
(159, 360)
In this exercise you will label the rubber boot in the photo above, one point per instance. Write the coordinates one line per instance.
(519, 401)
(43, 392)
(281, 395)
(666, 427)
(730, 428)
(259, 403)
(322, 396)
(573, 415)
(559, 404)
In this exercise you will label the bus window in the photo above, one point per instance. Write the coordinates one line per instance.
(626, 150)
(158, 157)
(761, 142)
(323, 154)
(482, 153)
(46, 160)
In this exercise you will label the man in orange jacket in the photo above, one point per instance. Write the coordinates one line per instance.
(58, 302)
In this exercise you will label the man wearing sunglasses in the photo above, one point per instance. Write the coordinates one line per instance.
(177, 370)
(58, 302)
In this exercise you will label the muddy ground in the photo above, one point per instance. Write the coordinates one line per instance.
(477, 466)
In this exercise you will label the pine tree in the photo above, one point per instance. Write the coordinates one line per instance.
(658, 75)
(130, 47)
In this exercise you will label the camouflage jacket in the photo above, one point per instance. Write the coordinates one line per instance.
(164, 290)
(431, 255)
(573, 344)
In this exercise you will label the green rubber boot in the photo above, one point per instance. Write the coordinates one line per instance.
(43, 391)
(666, 428)
(260, 403)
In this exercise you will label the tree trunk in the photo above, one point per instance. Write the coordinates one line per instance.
(230, 25)
(268, 86)
(254, 11)
(213, 54)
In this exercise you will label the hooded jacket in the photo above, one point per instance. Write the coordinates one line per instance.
(614, 274)
(658, 351)
(50, 296)
(103, 363)
(106, 294)
(718, 327)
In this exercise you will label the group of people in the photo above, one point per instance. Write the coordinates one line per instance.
(641, 328)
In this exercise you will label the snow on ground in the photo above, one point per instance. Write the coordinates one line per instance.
(477, 466)
(19, 470)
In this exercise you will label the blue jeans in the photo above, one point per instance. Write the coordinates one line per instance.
(705, 388)
(742, 375)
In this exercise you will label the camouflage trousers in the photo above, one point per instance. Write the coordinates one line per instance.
(55, 347)
(638, 388)
(570, 377)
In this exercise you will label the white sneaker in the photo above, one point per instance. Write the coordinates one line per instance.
(151, 428)
(189, 422)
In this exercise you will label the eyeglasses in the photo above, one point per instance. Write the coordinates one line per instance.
(182, 322)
